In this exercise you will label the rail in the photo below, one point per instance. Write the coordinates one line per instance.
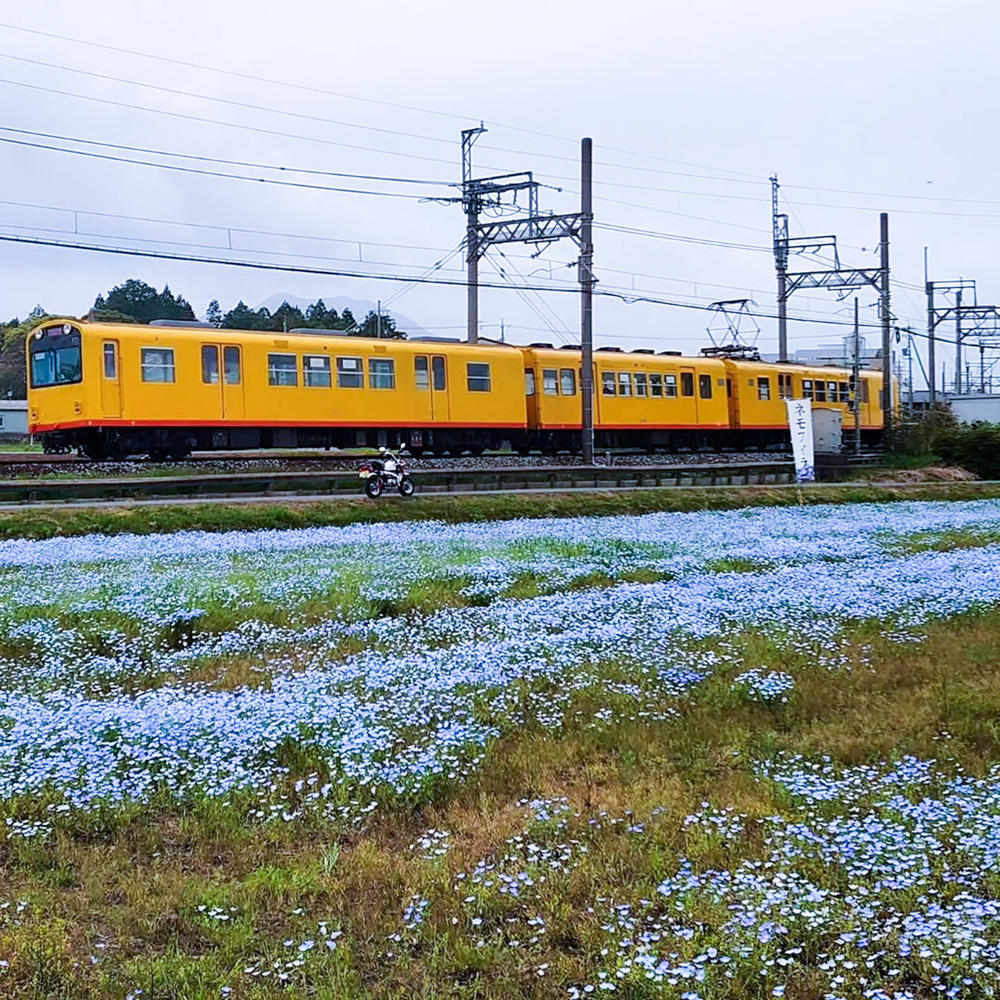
(346, 482)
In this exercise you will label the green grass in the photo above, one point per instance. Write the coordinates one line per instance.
(49, 521)
(144, 882)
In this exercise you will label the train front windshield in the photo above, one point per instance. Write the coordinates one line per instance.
(55, 356)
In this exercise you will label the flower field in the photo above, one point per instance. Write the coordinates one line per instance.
(748, 753)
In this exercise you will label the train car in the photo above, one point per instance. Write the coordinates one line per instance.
(757, 391)
(641, 399)
(163, 390)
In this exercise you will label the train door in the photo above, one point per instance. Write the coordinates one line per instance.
(688, 396)
(233, 398)
(111, 379)
(440, 408)
(531, 398)
(423, 413)
(733, 397)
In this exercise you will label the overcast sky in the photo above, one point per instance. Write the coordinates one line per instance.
(858, 107)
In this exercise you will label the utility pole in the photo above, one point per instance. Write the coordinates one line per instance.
(534, 228)
(836, 277)
(586, 302)
(472, 203)
(985, 321)
(856, 382)
(886, 329)
(929, 288)
(909, 356)
(958, 343)
(780, 229)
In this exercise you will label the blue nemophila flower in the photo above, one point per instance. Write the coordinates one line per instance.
(770, 688)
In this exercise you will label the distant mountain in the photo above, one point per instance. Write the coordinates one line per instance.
(359, 308)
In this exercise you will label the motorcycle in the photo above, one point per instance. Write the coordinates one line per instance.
(386, 472)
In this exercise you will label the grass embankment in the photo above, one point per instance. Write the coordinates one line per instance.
(181, 902)
(35, 521)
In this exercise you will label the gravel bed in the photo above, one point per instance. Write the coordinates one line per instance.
(271, 463)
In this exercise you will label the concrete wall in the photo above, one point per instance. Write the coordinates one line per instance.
(969, 409)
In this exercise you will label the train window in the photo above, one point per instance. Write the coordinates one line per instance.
(807, 388)
(550, 382)
(421, 372)
(110, 360)
(381, 373)
(158, 364)
(316, 371)
(210, 364)
(845, 392)
(819, 391)
(705, 386)
(641, 384)
(670, 387)
(55, 356)
(350, 374)
(785, 390)
(478, 376)
(231, 364)
(529, 382)
(282, 369)
(687, 383)
(567, 381)
(655, 384)
(764, 387)
(608, 383)
(624, 383)
(831, 391)
(440, 372)
(864, 390)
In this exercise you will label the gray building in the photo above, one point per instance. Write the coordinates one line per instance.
(13, 419)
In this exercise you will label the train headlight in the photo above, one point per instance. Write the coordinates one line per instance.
(38, 334)
(67, 329)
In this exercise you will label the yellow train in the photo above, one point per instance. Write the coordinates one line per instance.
(111, 390)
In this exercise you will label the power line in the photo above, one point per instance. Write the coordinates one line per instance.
(221, 100)
(209, 173)
(630, 231)
(216, 121)
(331, 272)
(389, 104)
(216, 159)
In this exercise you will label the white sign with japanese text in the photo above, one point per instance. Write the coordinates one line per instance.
(801, 426)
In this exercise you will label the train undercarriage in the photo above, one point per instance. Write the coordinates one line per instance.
(173, 443)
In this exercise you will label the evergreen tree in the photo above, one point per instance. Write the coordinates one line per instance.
(383, 326)
(318, 317)
(242, 317)
(13, 337)
(287, 317)
(213, 314)
(142, 303)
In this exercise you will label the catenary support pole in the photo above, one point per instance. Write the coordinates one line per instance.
(886, 330)
(586, 302)
(958, 342)
(931, 371)
(856, 381)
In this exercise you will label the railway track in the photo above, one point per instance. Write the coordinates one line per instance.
(345, 482)
(20, 465)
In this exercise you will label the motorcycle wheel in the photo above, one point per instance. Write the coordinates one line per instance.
(406, 487)
(373, 487)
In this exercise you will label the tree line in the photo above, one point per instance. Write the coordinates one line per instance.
(134, 301)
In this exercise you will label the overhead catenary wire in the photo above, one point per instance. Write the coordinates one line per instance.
(211, 173)
(232, 163)
(342, 273)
